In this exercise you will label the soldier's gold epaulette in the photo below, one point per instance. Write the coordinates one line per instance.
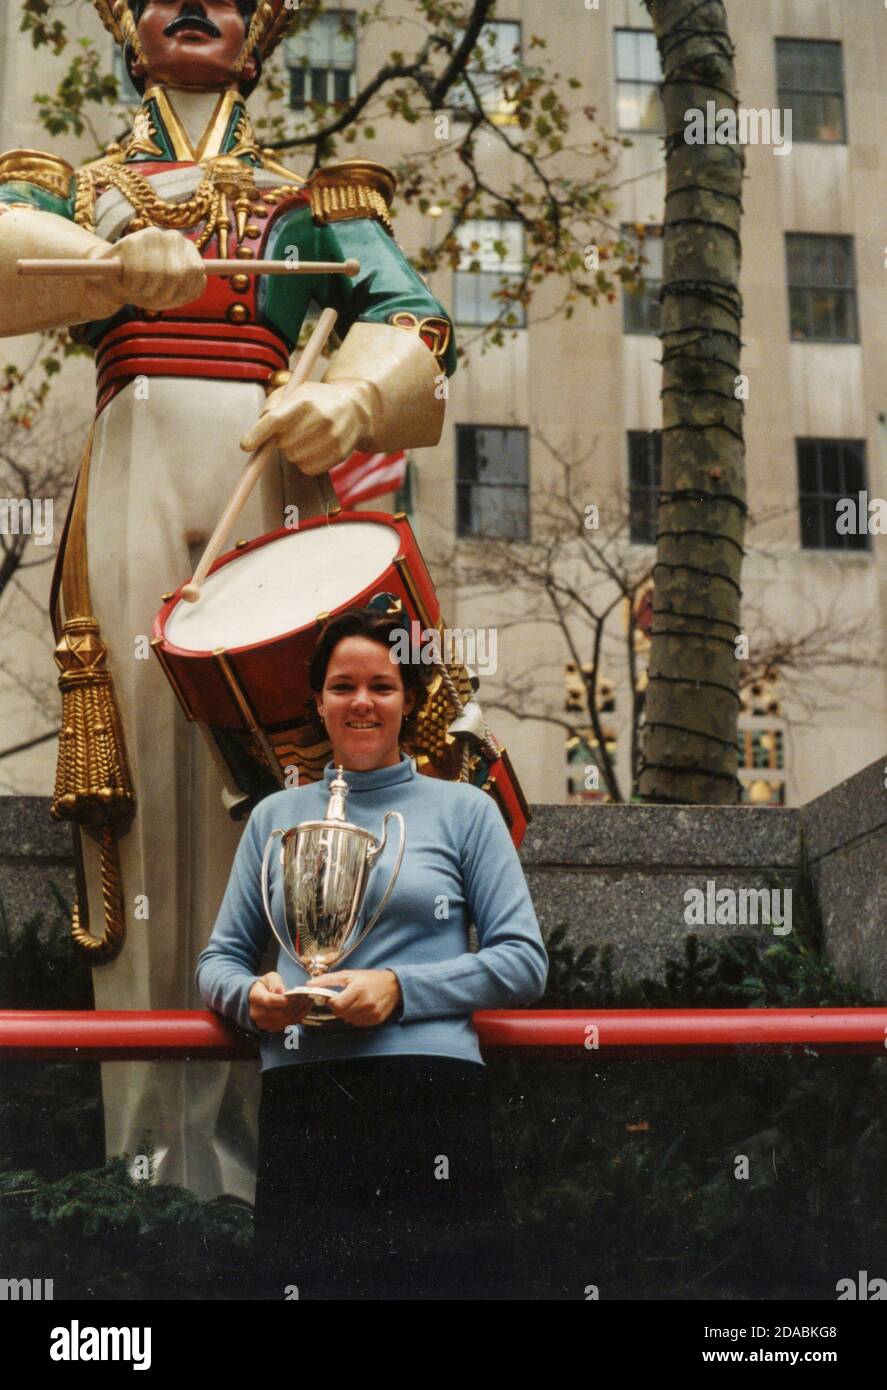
(46, 171)
(353, 188)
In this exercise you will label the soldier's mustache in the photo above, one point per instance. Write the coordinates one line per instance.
(192, 21)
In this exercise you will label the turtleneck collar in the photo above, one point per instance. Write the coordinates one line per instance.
(404, 771)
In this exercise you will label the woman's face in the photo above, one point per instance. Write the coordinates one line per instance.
(362, 704)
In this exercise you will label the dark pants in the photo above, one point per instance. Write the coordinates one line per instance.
(376, 1181)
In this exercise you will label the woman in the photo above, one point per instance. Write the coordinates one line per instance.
(375, 1174)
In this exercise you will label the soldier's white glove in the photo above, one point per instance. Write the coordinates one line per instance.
(317, 425)
(160, 269)
(379, 394)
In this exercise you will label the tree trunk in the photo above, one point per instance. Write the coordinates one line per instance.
(692, 701)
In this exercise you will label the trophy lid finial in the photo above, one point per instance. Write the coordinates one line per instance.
(338, 791)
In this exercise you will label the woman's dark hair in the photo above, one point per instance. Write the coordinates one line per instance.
(380, 627)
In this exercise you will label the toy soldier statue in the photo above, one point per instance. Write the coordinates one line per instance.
(184, 363)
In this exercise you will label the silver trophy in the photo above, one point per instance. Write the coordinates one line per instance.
(326, 866)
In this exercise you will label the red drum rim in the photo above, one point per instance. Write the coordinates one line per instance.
(398, 523)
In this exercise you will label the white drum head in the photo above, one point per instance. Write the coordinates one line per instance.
(283, 585)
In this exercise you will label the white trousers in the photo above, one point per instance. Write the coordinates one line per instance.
(161, 471)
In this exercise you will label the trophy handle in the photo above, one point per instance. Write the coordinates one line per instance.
(371, 856)
(266, 902)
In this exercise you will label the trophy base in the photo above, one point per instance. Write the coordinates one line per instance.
(321, 1016)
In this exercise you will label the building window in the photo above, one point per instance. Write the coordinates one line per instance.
(491, 257)
(821, 288)
(829, 470)
(585, 766)
(638, 75)
(810, 82)
(492, 482)
(644, 481)
(403, 498)
(322, 60)
(490, 67)
(640, 306)
(760, 744)
(128, 94)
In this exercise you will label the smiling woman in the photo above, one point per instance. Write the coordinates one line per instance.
(376, 1176)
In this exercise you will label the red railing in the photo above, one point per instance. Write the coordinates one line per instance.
(123, 1036)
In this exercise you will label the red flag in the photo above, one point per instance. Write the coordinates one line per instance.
(363, 476)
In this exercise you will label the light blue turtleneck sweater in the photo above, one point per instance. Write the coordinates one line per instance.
(459, 867)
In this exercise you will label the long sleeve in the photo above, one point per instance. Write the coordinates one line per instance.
(511, 965)
(226, 968)
(387, 284)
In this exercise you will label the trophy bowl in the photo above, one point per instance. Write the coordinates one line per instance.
(326, 868)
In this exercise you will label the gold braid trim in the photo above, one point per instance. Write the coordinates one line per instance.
(47, 171)
(224, 175)
(353, 188)
(84, 200)
(101, 949)
(92, 786)
(117, 19)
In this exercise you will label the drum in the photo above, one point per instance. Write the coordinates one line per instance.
(238, 659)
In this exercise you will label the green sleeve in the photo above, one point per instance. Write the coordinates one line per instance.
(20, 191)
(385, 285)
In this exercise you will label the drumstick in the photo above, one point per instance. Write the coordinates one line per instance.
(257, 461)
(103, 269)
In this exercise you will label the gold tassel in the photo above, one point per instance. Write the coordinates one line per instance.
(92, 785)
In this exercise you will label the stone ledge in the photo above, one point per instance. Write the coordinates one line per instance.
(668, 837)
(847, 813)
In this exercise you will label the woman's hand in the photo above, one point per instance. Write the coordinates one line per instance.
(369, 996)
(270, 1009)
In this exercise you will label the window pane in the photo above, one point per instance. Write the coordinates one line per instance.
(818, 253)
(318, 84)
(297, 88)
(637, 56)
(847, 320)
(492, 482)
(639, 107)
(815, 117)
(841, 248)
(483, 239)
(853, 468)
(794, 259)
(341, 84)
(649, 69)
(323, 43)
(809, 66)
(808, 475)
(831, 468)
(501, 455)
(466, 453)
(831, 119)
(626, 53)
(641, 310)
(828, 469)
(499, 39)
